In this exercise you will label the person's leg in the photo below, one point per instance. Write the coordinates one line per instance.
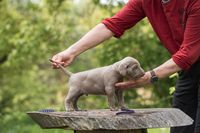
(185, 98)
(197, 125)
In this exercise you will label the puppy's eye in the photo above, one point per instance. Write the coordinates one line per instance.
(127, 66)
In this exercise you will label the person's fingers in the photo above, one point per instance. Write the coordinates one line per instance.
(65, 64)
(120, 84)
(124, 85)
(55, 61)
(61, 59)
(54, 64)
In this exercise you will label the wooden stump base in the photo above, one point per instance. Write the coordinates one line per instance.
(106, 121)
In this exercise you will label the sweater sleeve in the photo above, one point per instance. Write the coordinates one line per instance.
(189, 51)
(126, 18)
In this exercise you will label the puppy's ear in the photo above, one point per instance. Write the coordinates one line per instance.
(123, 69)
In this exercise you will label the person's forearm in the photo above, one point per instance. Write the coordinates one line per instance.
(94, 37)
(166, 69)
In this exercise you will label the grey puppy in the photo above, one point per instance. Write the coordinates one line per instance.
(101, 81)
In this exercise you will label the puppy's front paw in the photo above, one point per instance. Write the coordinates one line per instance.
(113, 109)
(123, 108)
(69, 109)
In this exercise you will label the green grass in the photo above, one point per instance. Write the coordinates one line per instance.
(159, 130)
(37, 129)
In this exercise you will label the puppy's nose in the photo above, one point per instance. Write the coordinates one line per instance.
(142, 73)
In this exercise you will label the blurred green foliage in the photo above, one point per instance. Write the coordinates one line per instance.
(31, 31)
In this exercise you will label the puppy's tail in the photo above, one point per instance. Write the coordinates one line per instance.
(68, 73)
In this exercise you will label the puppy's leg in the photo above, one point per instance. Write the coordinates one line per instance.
(68, 103)
(73, 93)
(110, 92)
(75, 100)
(120, 98)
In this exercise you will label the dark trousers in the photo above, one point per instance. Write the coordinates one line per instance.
(187, 98)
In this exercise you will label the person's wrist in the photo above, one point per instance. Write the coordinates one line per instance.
(148, 77)
(69, 53)
(154, 77)
(73, 50)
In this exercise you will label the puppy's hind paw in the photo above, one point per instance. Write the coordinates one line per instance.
(69, 109)
(113, 109)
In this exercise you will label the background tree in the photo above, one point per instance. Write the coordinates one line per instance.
(31, 31)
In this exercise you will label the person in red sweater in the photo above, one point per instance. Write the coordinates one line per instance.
(177, 24)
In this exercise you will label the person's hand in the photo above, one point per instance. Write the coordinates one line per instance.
(64, 58)
(134, 83)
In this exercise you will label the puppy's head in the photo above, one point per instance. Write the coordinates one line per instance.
(130, 67)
